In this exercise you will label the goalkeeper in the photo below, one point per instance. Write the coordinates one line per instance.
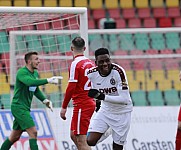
(27, 84)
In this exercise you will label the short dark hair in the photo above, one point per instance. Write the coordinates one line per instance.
(78, 43)
(101, 51)
(28, 56)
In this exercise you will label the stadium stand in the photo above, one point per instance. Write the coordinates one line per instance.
(94, 4)
(172, 3)
(128, 13)
(35, 3)
(144, 13)
(141, 3)
(6, 3)
(149, 23)
(126, 3)
(114, 13)
(165, 22)
(156, 3)
(111, 4)
(172, 97)
(120, 23)
(173, 12)
(65, 3)
(80, 3)
(48, 3)
(155, 98)
(139, 98)
(159, 12)
(20, 3)
(177, 22)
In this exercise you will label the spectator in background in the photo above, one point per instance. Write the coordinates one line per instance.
(110, 86)
(27, 84)
(77, 90)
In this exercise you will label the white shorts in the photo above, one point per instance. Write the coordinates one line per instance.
(119, 123)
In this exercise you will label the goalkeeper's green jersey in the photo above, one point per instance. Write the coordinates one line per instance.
(26, 86)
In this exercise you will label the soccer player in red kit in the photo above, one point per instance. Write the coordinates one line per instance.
(178, 135)
(77, 90)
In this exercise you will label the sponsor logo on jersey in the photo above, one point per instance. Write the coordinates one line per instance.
(112, 81)
(46, 141)
(108, 90)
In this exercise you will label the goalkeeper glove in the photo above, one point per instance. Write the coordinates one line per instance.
(54, 79)
(48, 104)
(94, 93)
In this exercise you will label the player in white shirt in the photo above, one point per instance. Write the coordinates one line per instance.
(110, 86)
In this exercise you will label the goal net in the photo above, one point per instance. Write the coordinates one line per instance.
(48, 31)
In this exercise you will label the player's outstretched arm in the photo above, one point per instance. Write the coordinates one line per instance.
(54, 79)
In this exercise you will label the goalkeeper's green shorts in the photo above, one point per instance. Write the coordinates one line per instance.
(22, 118)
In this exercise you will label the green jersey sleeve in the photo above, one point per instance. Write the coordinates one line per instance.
(39, 94)
(28, 79)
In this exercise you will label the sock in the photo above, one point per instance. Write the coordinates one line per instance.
(105, 135)
(6, 145)
(178, 140)
(33, 144)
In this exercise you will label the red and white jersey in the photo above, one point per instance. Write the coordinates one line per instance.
(78, 73)
(115, 87)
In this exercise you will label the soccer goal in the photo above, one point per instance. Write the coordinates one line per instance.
(48, 31)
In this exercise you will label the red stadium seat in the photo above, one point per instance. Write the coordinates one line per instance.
(12, 29)
(177, 22)
(151, 52)
(138, 64)
(171, 63)
(73, 23)
(123, 62)
(165, 22)
(134, 23)
(173, 12)
(120, 52)
(144, 13)
(28, 27)
(43, 26)
(128, 13)
(159, 12)
(155, 64)
(149, 23)
(120, 23)
(166, 51)
(114, 13)
(91, 24)
(178, 51)
(57, 24)
(98, 14)
(136, 52)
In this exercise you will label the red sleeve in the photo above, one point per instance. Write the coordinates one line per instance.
(68, 94)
